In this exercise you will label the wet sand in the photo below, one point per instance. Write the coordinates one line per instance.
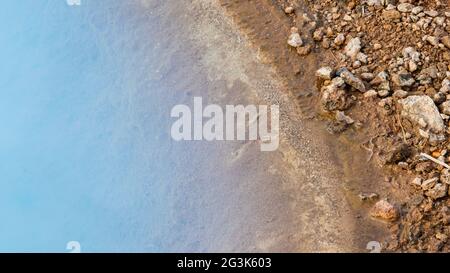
(229, 196)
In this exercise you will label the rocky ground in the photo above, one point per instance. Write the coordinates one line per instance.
(388, 70)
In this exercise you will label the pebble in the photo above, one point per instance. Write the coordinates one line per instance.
(403, 79)
(325, 73)
(384, 210)
(417, 182)
(432, 13)
(391, 15)
(416, 10)
(446, 41)
(405, 7)
(401, 94)
(353, 47)
(340, 39)
(289, 10)
(295, 40)
(352, 80)
(371, 93)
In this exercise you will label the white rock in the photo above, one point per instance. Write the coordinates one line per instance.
(411, 53)
(361, 57)
(289, 10)
(353, 47)
(295, 40)
(422, 111)
(374, 2)
(340, 39)
(325, 73)
(432, 13)
(417, 10)
(405, 7)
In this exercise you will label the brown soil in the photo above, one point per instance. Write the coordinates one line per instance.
(424, 223)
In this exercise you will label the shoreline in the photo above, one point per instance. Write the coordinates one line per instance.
(268, 24)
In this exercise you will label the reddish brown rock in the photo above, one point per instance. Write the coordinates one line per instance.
(384, 210)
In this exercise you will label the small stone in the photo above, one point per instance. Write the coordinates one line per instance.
(374, 3)
(397, 153)
(339, 40)
(445, 107)
(383, 93)
(417, 182)
(361, 57)
(352, 80)
(295, 40)
(347, 18)
(439, 21)
(377, 46)
(326, 43)
(401, 94)
(405, 7)
(304, 50)
(380, 78)
(412, 66)
(445, 86)
(370, 93)
(338, 82)
(289, 10)
(428, 184)
(446, 41)
(403, 79)
(439, 98)
(367, 76)
(422, 111)
(438, 191)
(333, 98)
(325, 73)
(391, 15)
(356, 64)
(384, 210)
(432, 13)
(411, 53)
(318, 34)
(340, 116)
(417, 10)
(432, 40)
(445, 176)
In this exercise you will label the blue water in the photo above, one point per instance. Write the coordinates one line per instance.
(79, 129)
